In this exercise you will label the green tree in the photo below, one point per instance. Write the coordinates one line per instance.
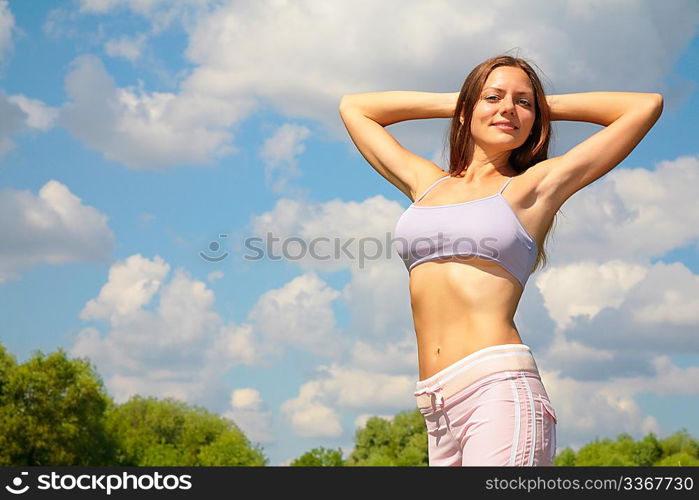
(400, 442)
(607, 452)
(232, 448)
(647, 451)
(565, 458)
(680, 442)
(55, 411)
(52, 412)
(677, 449)
(319, 457)
(682, 459)
(168, 432)
(7, 364)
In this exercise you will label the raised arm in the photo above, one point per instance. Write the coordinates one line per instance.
(366, 115)
(627, 118)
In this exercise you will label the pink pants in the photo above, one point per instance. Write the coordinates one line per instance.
(489, 408)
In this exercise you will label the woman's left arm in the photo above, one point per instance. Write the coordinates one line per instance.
(627, 118)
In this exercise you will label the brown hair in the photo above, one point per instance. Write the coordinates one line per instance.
(531, 152)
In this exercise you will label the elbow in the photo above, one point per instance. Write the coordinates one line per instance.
(657, 103)
(657, 99)
(344, 101)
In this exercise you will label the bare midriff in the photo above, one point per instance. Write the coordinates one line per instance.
(460, 305)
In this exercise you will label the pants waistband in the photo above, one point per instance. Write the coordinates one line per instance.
(477, 365)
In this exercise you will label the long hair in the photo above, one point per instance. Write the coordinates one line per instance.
(531, 152)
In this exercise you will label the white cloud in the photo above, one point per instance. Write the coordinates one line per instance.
(315, 411)
(144, 130)
(100, 6)
(299, 315)
(237, 59)
(635, 213)
(127, 47)
(7, 26)
(657, 314)
(362, 419)
(378, 298)
(247, 398)
(385, 356)
(596, 287)
(38, 115)
(17, 113)
(671, 379)
(622, 339)
(349, 387)
(335, 234)
(603, 408)
(131, 285)
(378, 368)
(279, 153)
(63, 23)
(123, 387)
(311, 419)
(214, 275)
(629, 308)
(250, 413)
(305, 76)
(587, 409)
(54, 227)
(568, 352)
(180, 348)
(12, 120)
(238, 344)
(161, 13)
(671, 299)
(350, 235)
(576, 357)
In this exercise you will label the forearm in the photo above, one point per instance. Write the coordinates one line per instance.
(395, 106)
(601, 108)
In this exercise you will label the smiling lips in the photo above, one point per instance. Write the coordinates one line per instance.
(504, 125)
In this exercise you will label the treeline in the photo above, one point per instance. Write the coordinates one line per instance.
(402, 442)
(56, 411)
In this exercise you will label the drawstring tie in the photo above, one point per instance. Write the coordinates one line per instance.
(437, 403)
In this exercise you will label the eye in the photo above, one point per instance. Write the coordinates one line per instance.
(526, 101)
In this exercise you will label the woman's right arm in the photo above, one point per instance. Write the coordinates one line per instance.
(366, 115)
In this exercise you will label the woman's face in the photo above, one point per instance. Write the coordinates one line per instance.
(514, 103)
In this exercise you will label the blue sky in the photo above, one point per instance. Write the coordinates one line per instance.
(135, 133)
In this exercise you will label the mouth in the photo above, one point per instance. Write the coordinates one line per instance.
(504, 126)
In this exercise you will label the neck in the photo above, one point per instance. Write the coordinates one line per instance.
(484, 167)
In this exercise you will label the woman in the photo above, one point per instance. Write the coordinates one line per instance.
(473, 235)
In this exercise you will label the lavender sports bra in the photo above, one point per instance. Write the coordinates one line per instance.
(487, 228)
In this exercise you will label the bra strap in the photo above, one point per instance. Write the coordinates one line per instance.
(431, 186)
(505, 184)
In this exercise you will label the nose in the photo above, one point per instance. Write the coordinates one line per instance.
(507, 104)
